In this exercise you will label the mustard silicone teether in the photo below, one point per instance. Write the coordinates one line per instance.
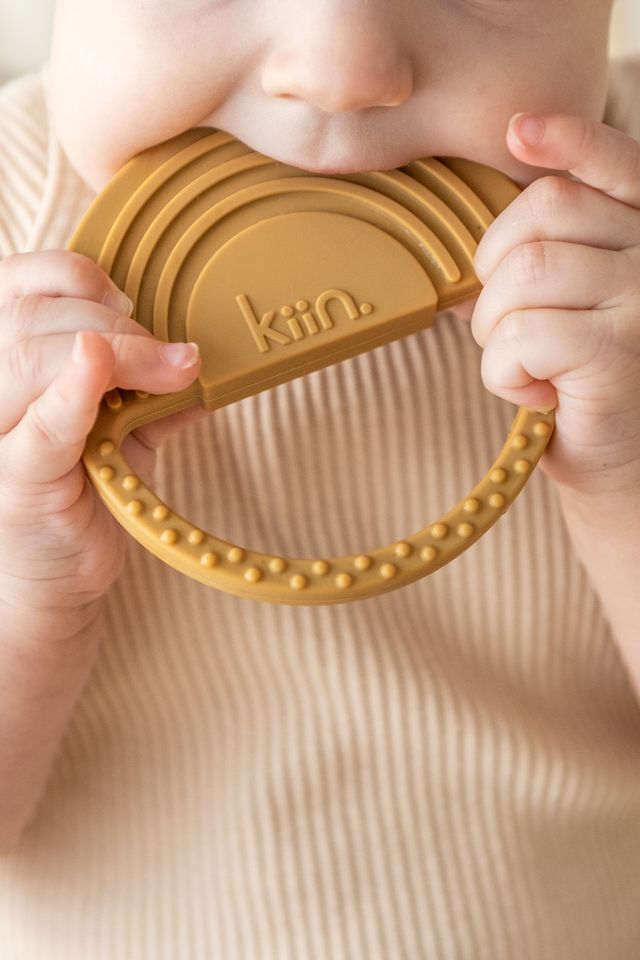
(276, 272)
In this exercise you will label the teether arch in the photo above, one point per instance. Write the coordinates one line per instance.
(276, 272)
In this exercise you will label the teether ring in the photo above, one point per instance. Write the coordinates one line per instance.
(275, 273)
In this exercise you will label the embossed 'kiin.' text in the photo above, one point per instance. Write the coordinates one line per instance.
(302, 321)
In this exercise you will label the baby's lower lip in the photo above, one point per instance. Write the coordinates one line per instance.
(335, 171)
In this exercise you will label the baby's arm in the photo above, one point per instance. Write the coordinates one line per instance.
(60, 549)
(606, 535)
(559, 323)
(46, 655)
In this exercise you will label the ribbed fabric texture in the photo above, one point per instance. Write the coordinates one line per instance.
(447, 772)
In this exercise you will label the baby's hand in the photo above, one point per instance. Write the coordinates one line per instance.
(559, 314)
(59, 544)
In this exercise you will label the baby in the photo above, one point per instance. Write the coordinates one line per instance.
(445, 772)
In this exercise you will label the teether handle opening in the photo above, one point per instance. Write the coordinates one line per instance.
(252, 574)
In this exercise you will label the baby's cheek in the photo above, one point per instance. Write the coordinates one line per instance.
(91, 159)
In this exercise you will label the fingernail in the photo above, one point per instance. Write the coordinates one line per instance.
(529, 129)
(118, 301)
(182, 355)
(77, 351)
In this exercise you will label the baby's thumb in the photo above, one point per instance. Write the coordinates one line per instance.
(49, 440)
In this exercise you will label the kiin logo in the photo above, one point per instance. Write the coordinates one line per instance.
(305, 323)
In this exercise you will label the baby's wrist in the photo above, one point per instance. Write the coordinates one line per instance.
(49, 621)
(602, 509)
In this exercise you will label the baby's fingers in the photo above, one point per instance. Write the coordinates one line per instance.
(58, 273)
(36, 316)
(532, 354)
(49, 440)
(27, 369)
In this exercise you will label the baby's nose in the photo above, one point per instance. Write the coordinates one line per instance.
(340, 64)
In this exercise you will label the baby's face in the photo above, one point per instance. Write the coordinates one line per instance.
(327, 85)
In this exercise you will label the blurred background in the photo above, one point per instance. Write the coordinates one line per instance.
(25, 27)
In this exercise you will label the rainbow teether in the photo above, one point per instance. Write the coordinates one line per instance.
(275, 273)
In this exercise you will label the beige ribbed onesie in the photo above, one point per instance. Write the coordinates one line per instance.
(450, 771)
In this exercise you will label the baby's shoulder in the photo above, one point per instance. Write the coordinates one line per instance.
(23, 103)
(24, 147)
